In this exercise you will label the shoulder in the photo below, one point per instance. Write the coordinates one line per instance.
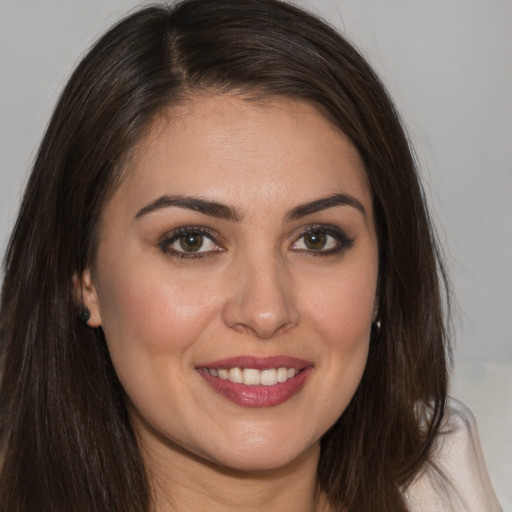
(457, 479)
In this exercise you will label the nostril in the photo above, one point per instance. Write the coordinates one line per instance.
(262, 322)
(262, 300)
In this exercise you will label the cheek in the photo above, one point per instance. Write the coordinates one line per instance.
(152, 322)
(149, 313)
(342, 314)
(343, 308)
(145, 298)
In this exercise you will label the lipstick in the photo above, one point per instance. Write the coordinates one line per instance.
(251, 381)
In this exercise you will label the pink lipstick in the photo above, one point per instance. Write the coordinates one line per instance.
(252, 381)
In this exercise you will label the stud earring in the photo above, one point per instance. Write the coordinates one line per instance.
(378, 324)
(83, 313)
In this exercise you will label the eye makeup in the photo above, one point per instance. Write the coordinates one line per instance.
(322, 240)
(197, 242)
(190, 242)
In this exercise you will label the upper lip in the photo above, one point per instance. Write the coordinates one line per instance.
(257, 362)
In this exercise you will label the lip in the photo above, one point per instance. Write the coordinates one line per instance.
(257, 396)
(257, 362)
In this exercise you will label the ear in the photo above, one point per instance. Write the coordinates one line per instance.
(85, 292)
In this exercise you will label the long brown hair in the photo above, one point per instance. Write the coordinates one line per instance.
(66, 441)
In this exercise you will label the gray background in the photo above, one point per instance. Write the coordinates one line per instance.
(448, 66)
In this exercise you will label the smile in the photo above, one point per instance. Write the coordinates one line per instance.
(253, 376)
(256, 382)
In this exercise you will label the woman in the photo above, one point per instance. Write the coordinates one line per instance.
(223, 291)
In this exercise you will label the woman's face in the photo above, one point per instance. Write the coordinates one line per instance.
(235, 280)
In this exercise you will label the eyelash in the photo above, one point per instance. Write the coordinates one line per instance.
(341, 240)
(175, 235)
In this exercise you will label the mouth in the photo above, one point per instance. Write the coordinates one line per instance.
(256, 382)
(253, 376)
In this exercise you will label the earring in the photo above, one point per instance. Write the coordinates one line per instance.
(83, 313)
(378, 324)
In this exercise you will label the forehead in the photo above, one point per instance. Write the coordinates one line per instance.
(244, 152)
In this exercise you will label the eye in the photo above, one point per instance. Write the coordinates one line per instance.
(322, 240)
(190, 242)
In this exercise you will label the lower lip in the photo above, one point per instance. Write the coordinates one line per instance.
(258, 396)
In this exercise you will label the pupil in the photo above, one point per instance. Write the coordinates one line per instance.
(191, 243)
(315, 240)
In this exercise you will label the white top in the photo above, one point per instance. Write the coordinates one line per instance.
(458, 454)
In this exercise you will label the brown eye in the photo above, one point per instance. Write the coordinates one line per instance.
(322, 240)
(191, 242)
(315, 240)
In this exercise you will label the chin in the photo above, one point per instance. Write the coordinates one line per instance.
(262, 457)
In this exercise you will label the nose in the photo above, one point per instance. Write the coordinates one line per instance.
(262, 303)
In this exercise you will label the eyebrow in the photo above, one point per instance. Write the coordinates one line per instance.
(324, 203)
(222, 211)
(206, 207)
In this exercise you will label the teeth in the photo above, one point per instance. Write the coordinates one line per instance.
(282, 374)
(235, 375)
(269, 377)
(253, 377)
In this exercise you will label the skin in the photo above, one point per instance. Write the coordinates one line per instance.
(258, 290)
